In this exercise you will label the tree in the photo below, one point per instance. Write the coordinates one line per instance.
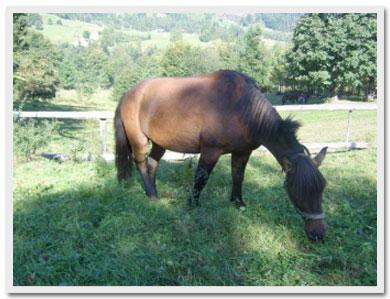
(254, 57)
(228, 56)
(35, 63)
(133, 72)
(308, 58)
(175, 35)
(180, 59)
(86, 34)
(176, 60)
(34, 19)
(278, 68)
(332, 53)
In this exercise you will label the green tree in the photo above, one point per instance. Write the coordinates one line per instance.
(86, 34)
(254, 57)
(332, 53)
(35, 63)
(308, 58)
(176, 60)
(278, 68)
(228, 55)
(176, 35)
(180, 59)
(133, 72)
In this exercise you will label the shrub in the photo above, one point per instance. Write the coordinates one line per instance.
(31, 135)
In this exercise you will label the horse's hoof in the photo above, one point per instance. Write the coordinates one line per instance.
(240, 205)
(193, 203)
(153, 197)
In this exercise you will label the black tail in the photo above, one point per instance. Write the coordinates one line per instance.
(123, 157)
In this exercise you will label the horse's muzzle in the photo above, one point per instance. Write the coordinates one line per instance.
(315, 229)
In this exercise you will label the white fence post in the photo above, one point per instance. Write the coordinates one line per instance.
(103, 135)
(348, 129)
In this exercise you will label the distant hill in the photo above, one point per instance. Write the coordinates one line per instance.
(207, 25)
(156, 29)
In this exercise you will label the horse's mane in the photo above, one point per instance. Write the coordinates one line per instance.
(261, 117)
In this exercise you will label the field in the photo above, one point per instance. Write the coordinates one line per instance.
(75, 225)
(71, 31)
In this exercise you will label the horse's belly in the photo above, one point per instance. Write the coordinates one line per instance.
(176, 138)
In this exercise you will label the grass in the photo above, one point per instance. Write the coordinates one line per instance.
(72, 30)
(75, 225)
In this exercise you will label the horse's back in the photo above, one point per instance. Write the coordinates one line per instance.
(181, 113)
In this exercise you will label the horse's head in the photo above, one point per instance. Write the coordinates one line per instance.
(305, 185)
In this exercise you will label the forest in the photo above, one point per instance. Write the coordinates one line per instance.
(322, 54)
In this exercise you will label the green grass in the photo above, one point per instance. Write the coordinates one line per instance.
(70, 30)
(75, 225)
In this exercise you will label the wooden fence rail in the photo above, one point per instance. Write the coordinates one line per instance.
(103, 116)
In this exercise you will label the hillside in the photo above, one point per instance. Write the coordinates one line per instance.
(196, 29)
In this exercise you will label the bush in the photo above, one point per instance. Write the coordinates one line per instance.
(31, 135)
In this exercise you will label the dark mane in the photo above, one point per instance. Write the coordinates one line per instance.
(306, 183)
(261, 117)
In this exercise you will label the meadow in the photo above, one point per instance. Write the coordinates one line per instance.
(75, 225)
(72, 30)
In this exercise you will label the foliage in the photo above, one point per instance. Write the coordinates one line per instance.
(181, 59)
(332, 53)
(31, 135)
(86, 34)
(277, 21)
(176, 35)
(278, 68)
(35, 20)
(254, 57)
(229, 55)
(132, 73)
(35, 63)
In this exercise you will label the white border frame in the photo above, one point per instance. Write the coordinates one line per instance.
(212, 289)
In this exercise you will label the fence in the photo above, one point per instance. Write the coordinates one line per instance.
(104, 116)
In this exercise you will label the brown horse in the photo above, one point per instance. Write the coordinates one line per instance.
(219, 113)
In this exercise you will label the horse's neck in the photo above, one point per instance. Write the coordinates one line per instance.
(279, 149)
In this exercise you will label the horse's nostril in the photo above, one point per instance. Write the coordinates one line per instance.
(314, 236)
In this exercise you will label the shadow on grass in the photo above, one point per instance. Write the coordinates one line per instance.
(104, 233)
(48, 106)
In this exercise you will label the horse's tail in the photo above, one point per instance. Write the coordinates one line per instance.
(123, 153)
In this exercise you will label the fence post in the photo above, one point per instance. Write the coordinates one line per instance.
(103, 135)
(348, 129)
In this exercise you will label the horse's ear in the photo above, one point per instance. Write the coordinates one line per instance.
(286, 164)
(320, 157)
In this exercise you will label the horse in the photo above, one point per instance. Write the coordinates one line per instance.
(215, 114)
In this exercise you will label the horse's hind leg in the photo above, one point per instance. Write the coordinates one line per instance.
(154, 157)
(140, 149)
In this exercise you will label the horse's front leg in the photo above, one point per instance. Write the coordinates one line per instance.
(207, 160)
(239, 161)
